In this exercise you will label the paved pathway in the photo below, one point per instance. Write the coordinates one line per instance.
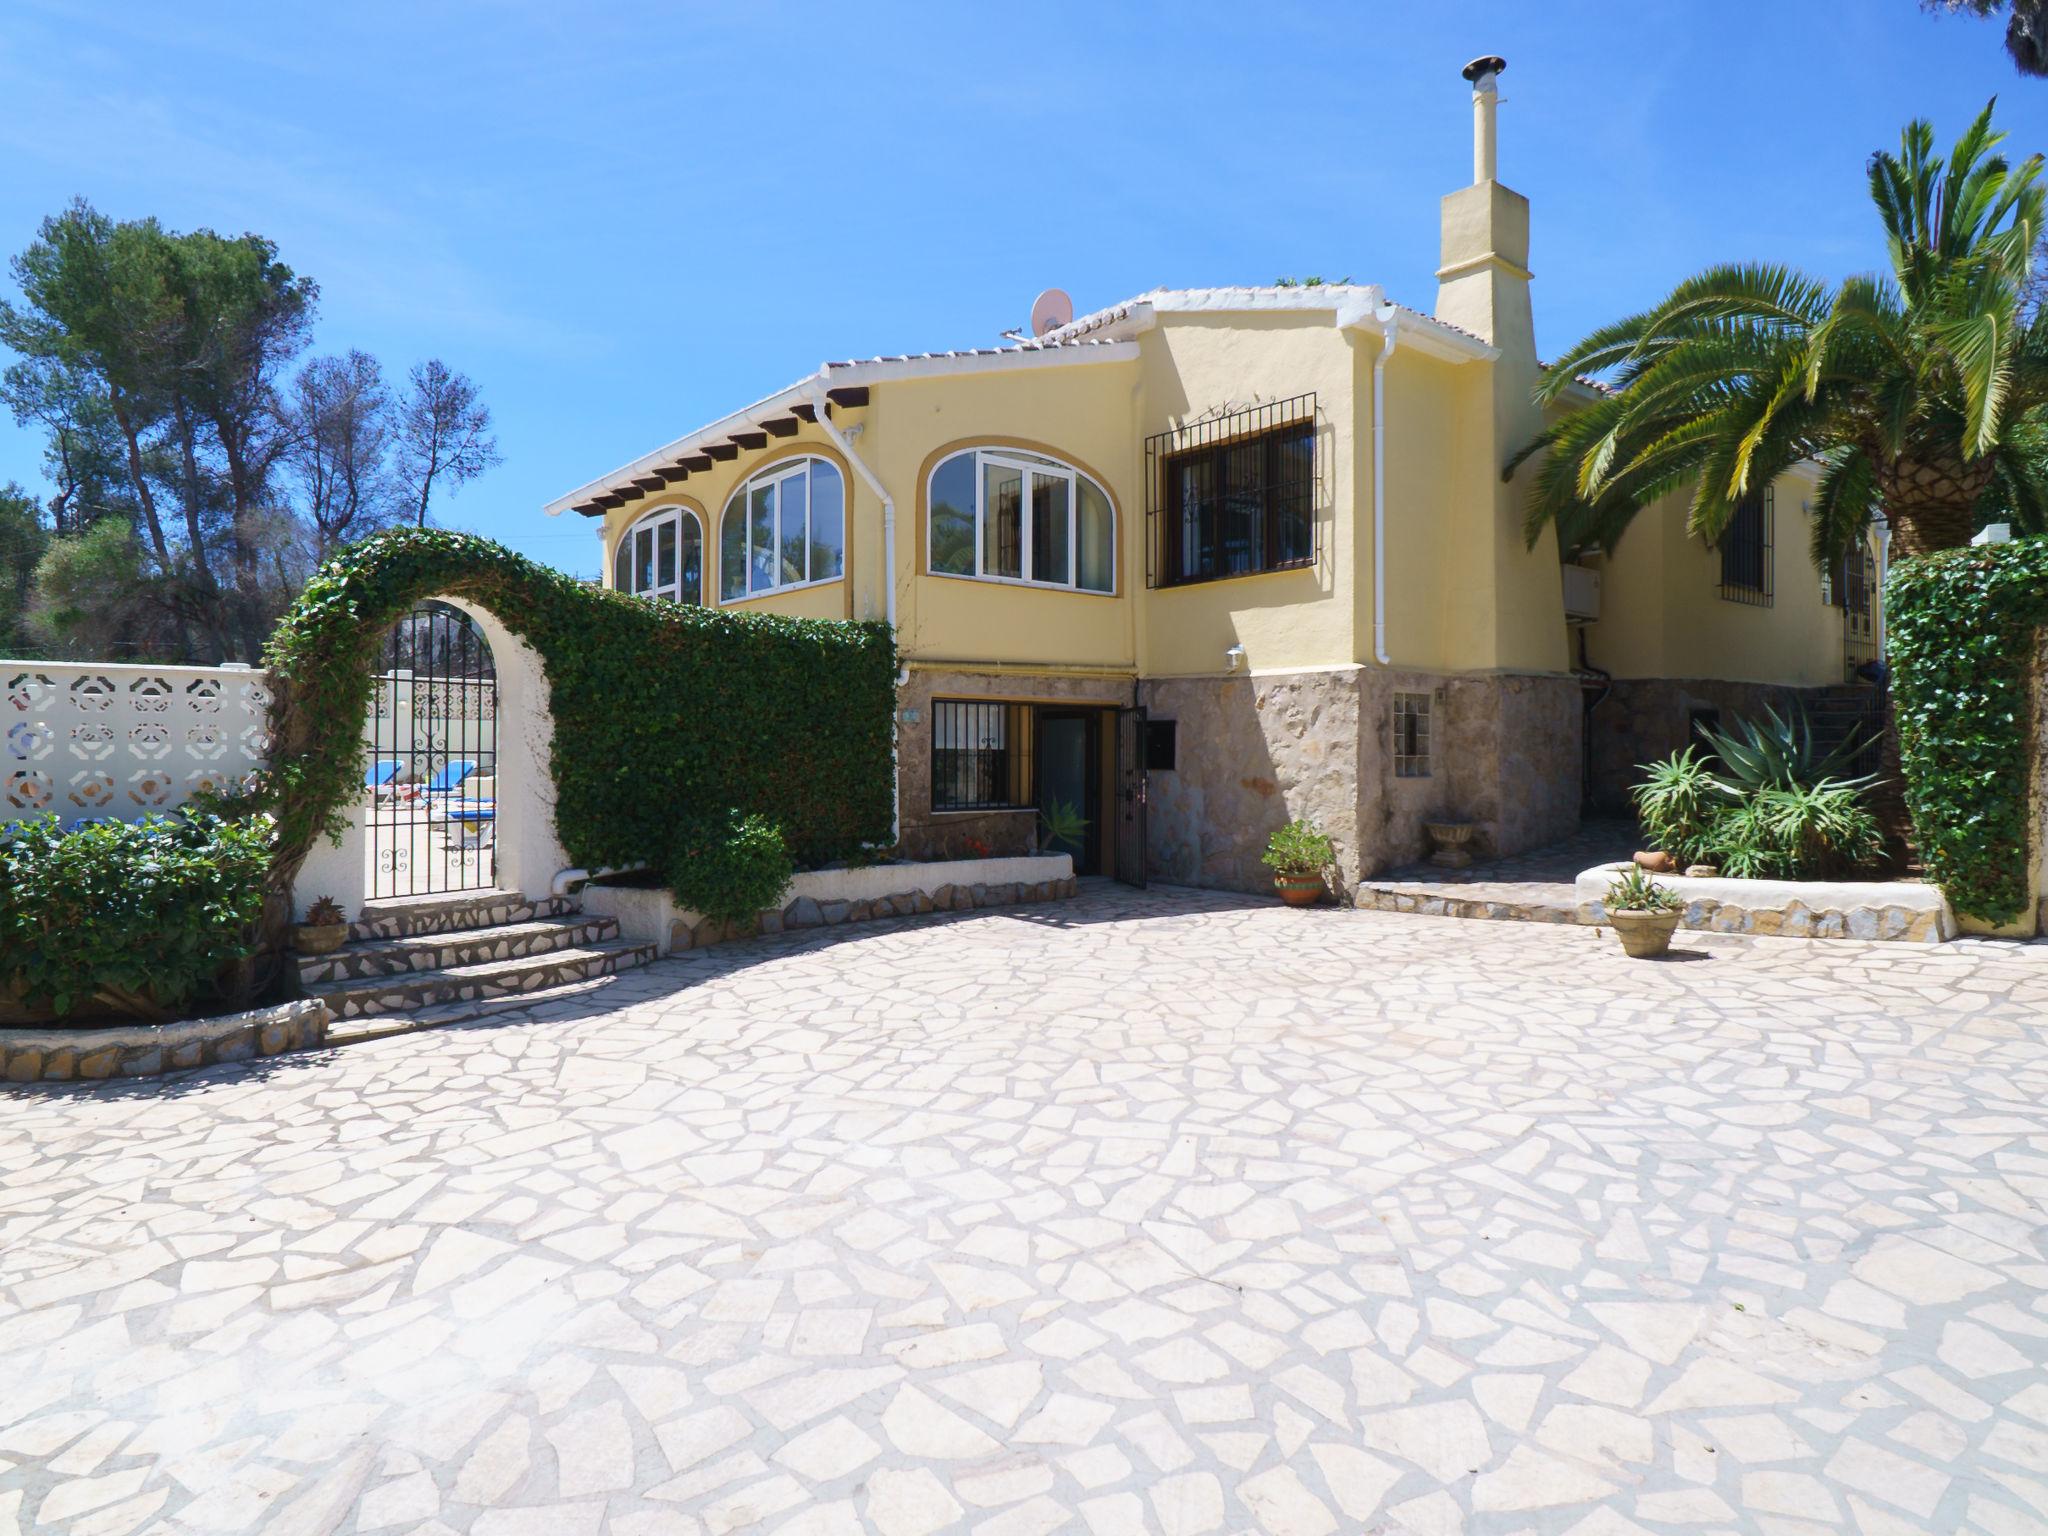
(1143, 1214)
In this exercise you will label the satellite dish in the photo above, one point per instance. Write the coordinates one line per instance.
(1051, 310)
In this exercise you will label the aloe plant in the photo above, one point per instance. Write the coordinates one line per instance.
(1778, 752)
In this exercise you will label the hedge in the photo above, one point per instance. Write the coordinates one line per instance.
(685, 738)
(1959, 634)
(140, 919)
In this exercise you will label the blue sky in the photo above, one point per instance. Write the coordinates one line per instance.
(624, 220)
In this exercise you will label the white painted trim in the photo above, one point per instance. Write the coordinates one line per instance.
(796, 467)
(652, 517)
(844, 376)
(886, 370)
(1352, 304)
(1028, 461)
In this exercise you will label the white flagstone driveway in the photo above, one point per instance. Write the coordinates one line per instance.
(1140, 1213)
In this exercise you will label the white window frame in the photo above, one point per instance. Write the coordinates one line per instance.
(742, 495)
(1030, 462)
(651, 521)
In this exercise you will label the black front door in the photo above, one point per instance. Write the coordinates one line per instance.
(1070, 780)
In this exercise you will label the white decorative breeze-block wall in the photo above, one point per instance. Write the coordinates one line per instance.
(92, 740)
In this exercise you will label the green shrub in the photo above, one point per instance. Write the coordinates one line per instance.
(1959, 633)
(1762, 820)
(740, 861)
(1299, 849)
(1677, 802)
(132, 918)
(674, 726)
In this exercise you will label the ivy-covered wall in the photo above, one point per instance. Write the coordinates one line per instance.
(716, 747)
(1960, 635)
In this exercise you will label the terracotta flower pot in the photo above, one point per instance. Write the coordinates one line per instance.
(319, 938)
(1645, 935)
(1299, 890)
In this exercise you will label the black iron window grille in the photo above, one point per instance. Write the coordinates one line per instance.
(1411, 735)
(981, 755)
(1234, 495)
(1851, 581)
(1746, 550)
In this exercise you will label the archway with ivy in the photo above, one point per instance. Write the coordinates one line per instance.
(716, 748)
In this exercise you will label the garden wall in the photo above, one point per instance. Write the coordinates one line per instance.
(97, 740)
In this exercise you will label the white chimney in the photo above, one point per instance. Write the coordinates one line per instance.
(1483, 276)
(1485, 77)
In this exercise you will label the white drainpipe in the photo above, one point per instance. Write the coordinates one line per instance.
(815, 393)
(1385, 315)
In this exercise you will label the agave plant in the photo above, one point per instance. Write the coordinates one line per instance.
(1778, 752)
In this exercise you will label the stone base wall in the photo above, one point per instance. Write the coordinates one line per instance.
(53, 1055)
(926, 834)
(1257, 752)
(1251, 755)
(1647, 718)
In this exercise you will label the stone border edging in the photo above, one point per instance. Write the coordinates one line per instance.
(47, 1054)
(828, 898)
(1882, 910)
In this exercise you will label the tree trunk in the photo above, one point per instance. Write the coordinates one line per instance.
(195, 535)
(131, 435)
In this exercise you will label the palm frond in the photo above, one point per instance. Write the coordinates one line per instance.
(1843, 504)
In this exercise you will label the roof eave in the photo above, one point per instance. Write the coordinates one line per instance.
(831, 376)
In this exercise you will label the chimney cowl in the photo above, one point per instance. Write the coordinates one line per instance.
(1490, 64)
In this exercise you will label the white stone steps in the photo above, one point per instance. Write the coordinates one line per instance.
(376, 1026)
(414, 952)
(411, 992)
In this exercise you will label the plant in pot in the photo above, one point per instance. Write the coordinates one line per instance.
(1298, 854)
(1644, 914)
(324, 930)
(1061, 828)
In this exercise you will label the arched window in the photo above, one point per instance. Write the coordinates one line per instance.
(662, 555)
(1002, 514)
(786, 527)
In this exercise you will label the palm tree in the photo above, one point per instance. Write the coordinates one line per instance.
(1923, 392)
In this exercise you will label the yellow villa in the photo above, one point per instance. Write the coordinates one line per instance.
(1208, 559)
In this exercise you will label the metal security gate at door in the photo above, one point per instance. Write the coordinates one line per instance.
(431, 808)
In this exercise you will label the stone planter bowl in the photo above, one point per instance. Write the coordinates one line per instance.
(1451, 839)
(1299, 890)
(319, 938)
(1645, 935)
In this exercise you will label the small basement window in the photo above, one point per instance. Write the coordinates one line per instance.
(981, 755)
(1160, 741)
(1411, 735)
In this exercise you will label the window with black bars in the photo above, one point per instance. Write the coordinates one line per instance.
(1234, 495)
(1411, 735)
(1746, 551)
(981, 755)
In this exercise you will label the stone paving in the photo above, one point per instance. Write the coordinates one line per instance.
(1150, 1213)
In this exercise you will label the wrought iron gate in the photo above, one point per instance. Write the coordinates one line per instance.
(431, 788)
